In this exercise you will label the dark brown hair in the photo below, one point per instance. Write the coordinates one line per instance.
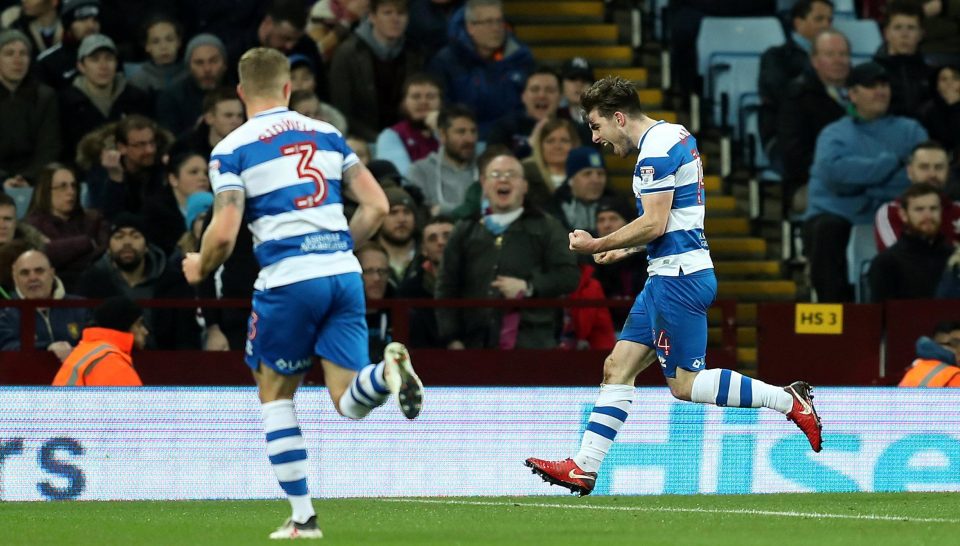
(609, 95)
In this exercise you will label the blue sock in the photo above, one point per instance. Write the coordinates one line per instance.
(609, 413)
(729, 388)
(288, 455)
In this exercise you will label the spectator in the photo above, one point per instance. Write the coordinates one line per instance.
(857, 166)
(941, 28)
(397, 235)
(509, 252)
(165, 214)
(359, 147)
(541, 98)
(912, 267)
(941, 114)
(11, 230)
(222, 113)
(576, 76)
(423, 284)
(162, 38)
(412, 139)
(130, 174)
(483, 66)
(99, 94)
(281, 28)
(816, 99)
(937, 358)
(302, 73)
(57, 66)
(429, 21)
(39, 20)
(376, 273)
(546, 168)
(220, 17)
(56, 329)
(77, 236)
(367, 66)
(900, 56)
(575, 202)
(623, 279)
(30, 114)
(444, 175)
(949, 287)
(927, 165)
(308, 104)
(102, 359)
(781, 64)
(587, 327)
(332, 21)
(130, 267)
(180, 106)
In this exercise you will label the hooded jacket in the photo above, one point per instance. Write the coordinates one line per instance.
(442, 182)
(53, 324)
(103, 279)
(82, 114)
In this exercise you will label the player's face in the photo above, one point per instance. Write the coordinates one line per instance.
(207, 66)
(819, 18)
(162, 43)
(127, 248)
(923, 215)
(435, 237)
(33, 276)
(399, 225)
(610, 131)
(226, 116)
(389, 21)
(541, 96)
(460, 139)
(63, 193)
(376, 273)
(14, 61)
(902, 35)
(832, 61)
(930, 166)
(588, 184)
(608, 222)
(420, 100)
(557, 146)
(503, 184)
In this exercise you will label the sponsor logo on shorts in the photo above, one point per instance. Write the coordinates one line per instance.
(697, 363)
(291, 366)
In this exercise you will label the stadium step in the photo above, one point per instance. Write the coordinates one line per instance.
(565, 34)
(757, 290)
(584, 12)
(721, 204)
(751, 269)
(726, 226)
(637, 75)
(597, 55)
(746, 315)
(747, 357)
(737, 247)
(651, 98)
(746, 336)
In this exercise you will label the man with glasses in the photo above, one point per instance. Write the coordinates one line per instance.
(484, 66)
(129, 174)
(505, 251)
(936, 363)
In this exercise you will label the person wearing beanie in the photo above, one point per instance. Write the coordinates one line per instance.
(57, 66)
(180, 106)
(41, 23)
(575, 202)
(130, 266)
(398, 235)
(30, 114)
(103, 356)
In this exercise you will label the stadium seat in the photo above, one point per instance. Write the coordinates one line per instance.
(21, 196)
(129, 69)
(844, 10)
(864, 36)
(861, 249)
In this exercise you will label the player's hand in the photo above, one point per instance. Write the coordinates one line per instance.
(510, 287)
(581, 241)
(611, 256)
(191, 268)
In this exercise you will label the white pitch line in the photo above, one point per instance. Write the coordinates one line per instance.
(873, 517)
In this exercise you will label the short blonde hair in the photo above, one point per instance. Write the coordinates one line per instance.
(263, 72)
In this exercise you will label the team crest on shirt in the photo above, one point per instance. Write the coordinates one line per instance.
(646, 175)
(214, 165)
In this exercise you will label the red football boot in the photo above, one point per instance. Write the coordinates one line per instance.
(564, 473)
(803, 414)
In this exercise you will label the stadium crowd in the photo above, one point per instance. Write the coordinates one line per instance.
(484, 155)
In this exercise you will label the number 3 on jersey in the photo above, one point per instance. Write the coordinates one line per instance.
(305, 169)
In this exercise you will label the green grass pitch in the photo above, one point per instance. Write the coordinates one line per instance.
(810, 519)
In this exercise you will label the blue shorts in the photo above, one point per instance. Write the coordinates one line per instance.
(670, 316)
(325, 317)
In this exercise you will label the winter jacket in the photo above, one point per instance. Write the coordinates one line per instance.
(103, 279)
(859, 165)
(910, 269)
(404, 143)
(153, 78)
(31, 128)
(779, 65)
(909, 81)
(942, 120)
(442, 182)
(75, 243)
(180, 106)
(163, 220)
(533, 248)
(423, 320)
(52, 324)
(589, 327)
(81, 115)
(491, 87)
(810, 110)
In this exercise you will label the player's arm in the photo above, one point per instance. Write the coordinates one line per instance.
(219, 238)
(653, 224)
(363, 188)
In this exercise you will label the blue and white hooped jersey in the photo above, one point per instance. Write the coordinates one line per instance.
(669, 161)
(290, 168)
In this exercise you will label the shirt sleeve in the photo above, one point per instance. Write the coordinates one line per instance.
(225, 171)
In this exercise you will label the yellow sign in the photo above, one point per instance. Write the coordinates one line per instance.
(819, 318)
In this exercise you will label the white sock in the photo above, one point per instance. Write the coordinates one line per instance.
(367, 391)
(728, 388)
(609, 413)
(288, 455)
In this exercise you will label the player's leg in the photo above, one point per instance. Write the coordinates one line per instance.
(279, 353)
(356, 386)
(681, 342)
(631, 355)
